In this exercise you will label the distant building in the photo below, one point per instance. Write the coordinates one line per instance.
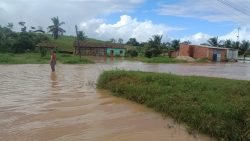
(216, 54)
(99, 49)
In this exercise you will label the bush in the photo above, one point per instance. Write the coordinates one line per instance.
(148, 54)
(43, 51)
(132, 53)
(152, 52)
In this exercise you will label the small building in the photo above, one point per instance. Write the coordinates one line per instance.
(216, 54)
(99, 49)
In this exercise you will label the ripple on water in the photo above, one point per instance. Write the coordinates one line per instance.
(36, 104)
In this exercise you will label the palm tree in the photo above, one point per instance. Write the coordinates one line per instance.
(214, 42)
(154, 46)
(23, 29)
(156, 40)
(228, 44)
(175, 44)
(55, 29)
(10, 26)
(244, 47)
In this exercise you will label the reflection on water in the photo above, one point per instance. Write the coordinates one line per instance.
(36, 104)
(53, 78)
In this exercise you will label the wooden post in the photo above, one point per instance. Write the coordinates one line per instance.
(78, 43)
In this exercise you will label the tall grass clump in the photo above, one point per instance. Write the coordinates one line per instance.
(215, 106)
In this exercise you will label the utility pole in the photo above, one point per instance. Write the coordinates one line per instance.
(78, 43)
(238, 35)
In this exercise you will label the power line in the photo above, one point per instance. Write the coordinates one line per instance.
(231, 5)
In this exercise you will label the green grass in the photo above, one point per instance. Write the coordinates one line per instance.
(65, 43)
(215, 106)
(26, 58)
(71, 59)
(159, 59)
(203, 60)
(35, 58)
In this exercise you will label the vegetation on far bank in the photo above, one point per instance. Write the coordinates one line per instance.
(35, 39)
(35, 58)
(215, 106)
(158, 59)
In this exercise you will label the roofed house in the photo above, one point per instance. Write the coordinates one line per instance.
(217, 54)
(99, 49)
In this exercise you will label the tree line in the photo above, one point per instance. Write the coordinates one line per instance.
(155, 47)
(26, 40)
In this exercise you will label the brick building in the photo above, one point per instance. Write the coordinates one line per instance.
(200, 51)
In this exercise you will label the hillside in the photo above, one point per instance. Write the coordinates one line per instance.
(65, 43)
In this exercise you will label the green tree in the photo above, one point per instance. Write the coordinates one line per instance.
(214, 41)
(23, 27)
(228, 44)
(10, 26)
(154, 47)
(7, 39)
(56, 29)
(175, 44)
(133, 42)
(39, 30)
(187, 42)
(81, 35)
(112, 40)
(120, 41)
(244, 46)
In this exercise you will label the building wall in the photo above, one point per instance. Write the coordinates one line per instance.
(184, 50)
(222, 52)
(174, 53)
(199, 52)
(116, 52)
(232, 54)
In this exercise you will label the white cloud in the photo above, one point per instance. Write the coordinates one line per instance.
(39, 12)
(127, 27)
(199, 38)
(211, 10)
(243, 34)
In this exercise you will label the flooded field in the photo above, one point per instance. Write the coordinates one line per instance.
(37, 105)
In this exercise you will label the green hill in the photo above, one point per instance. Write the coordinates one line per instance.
(65, 43)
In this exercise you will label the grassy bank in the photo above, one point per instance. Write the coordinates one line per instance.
(159, 59)
(214, 106)
(35, 58)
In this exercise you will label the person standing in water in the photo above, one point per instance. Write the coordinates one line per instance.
(53, 60)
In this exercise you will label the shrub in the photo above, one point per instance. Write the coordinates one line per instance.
(132, 53)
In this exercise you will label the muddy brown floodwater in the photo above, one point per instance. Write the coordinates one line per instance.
(37, 105)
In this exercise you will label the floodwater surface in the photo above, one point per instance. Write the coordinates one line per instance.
(37, 105)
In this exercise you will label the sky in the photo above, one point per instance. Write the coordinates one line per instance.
(193, 20)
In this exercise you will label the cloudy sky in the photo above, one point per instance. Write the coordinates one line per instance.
(194, 20)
